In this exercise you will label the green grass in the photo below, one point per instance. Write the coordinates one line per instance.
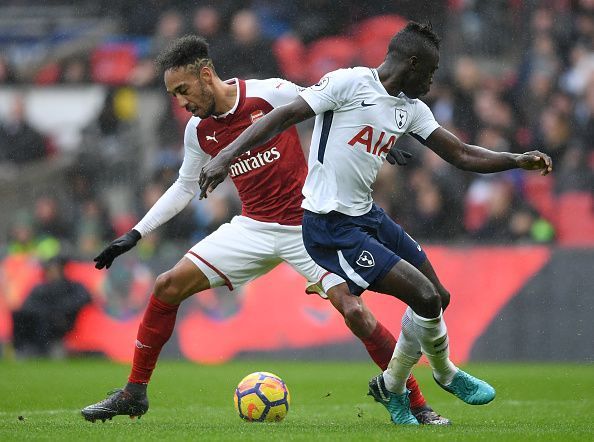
(541, 402)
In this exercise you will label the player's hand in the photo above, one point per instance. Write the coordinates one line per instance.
(213, 174)
(535, 160)
(398, 156)
(116, 248)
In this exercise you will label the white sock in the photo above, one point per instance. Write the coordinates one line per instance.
(398, 371)
(409, 343)
(433, 336)
(406, 354)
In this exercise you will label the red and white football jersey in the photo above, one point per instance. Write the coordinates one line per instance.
(269, 178)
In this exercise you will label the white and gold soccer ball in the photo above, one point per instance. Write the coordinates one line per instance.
(262, 397)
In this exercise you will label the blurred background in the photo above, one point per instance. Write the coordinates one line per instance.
(89, 140)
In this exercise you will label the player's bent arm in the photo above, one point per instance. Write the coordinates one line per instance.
(478, 159)
(271, 124)
(264, 129)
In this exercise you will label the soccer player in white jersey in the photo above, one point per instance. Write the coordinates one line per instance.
(361, 112)
(269, 180)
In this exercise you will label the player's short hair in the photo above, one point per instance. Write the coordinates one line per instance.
(189, 50)
(414, 37)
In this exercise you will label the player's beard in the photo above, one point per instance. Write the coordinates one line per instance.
(208, 101)
(209, 104)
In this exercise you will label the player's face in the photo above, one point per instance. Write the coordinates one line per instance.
(193, 93)
(420, 75)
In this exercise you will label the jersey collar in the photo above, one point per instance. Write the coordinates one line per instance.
(239, 84)
(401, 95)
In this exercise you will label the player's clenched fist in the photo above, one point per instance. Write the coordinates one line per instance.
(116, 248)
(213, 174)
(535, 160)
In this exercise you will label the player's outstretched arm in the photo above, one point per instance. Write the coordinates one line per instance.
(279, 119)
(478, 159)
(116, 248)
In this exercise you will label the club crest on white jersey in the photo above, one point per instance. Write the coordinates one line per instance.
(357, 123)
(321, 84)
(401, 116)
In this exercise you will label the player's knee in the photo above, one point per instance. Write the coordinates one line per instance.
(165, 289)
(359, 319)
(428, 302)
(445, 297)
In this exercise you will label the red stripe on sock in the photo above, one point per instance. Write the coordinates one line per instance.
(154, 331)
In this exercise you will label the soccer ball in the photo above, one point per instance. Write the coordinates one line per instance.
(262, 396)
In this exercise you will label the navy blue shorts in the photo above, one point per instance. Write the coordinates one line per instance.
(361, 249)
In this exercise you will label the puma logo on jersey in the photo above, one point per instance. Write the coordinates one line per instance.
(374, 145)
(366, 259)
(212, 138)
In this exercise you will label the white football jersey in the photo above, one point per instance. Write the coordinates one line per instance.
(357, 123)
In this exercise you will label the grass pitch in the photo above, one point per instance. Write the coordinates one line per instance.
(541, 402)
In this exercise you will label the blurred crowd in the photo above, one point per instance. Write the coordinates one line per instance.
(514, 75)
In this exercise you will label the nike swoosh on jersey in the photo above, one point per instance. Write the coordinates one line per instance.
(367, 104)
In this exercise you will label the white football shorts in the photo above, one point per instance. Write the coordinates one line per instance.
(244, 249)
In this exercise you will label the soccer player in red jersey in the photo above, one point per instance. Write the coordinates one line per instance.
(269, 180)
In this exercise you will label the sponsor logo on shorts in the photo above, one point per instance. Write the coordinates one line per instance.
(366, 259)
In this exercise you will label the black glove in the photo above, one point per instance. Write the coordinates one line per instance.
(116, 248)
(398, 156)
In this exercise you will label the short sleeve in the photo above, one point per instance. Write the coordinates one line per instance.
(423, 123)
(331, 92)
(275, 91)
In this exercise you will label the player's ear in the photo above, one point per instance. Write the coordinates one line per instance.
(413, 62)
(206, 74)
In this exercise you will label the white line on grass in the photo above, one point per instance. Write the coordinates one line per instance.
(26, 413)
